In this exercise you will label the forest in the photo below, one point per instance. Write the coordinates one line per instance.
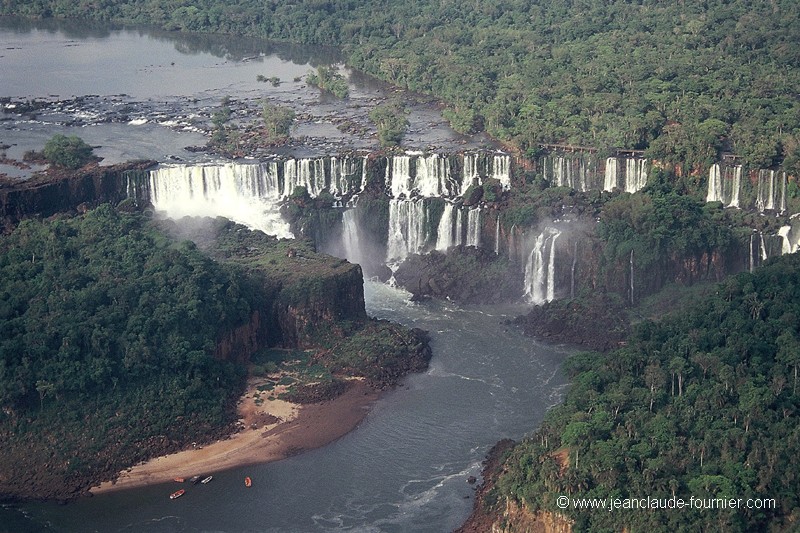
(702, 403)
(117, 339)
(684, 81)
(107, 337)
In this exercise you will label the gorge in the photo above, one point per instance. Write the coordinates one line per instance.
(462, 222)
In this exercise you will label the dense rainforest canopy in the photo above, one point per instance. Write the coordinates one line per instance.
(107, 338)
(685, 80)
(703, 403)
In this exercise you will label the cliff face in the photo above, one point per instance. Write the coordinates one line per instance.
(507, 516)
(309, 307)
(44, 197)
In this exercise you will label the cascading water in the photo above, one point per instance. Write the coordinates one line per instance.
(635, 174)
(446, 234)
(431, 177)
(771, 194)
(497, 236)
(247, 194)
(308, 173)
(714, 193)
(501, 170)
(407, 229)
(474, 227)
(470, 173)
(540, 268)
(724, 184)
(791, 241)
(350, 237)
(611, 173)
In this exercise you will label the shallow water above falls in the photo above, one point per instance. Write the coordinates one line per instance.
(403, 469)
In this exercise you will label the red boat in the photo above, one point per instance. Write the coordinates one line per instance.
(177, 494)
(247, 481)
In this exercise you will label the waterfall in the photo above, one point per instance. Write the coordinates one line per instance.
(610, 179)
(474, 227)
(501, 170)
(497, 236)
(635, 174)
(737, 185)
(431, 176)
(407, 223)
(350, 237)
(398, 175)
(631, 277)
(724, 185)
(470, 172)
(790, 240)
(714, 193)
(771, 191)
(343, 172)
(247, 194)
(446, 234)
(540, 268)
(308, 173)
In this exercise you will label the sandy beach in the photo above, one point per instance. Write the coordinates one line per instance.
(273, 430)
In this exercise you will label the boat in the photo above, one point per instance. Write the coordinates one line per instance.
(194, 480)
(179, 480)
(177, 494)
(248, 482)
(207, 479)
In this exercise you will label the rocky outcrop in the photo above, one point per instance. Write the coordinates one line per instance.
(64, 192)
(308, 307)
(464, 274)
(599, 322)
(490, 515)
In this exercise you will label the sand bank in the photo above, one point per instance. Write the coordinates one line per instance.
(273, 430)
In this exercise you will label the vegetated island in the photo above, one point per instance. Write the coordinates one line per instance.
(121, 343)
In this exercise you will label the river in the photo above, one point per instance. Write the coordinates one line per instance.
(405, 468)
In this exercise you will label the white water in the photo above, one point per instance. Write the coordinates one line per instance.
(610, 177)
(771, 193)
(474, 227)
(635, 174)
(350, 237)
(446, 234)
(497, 236)
(540, 268)
(247, 194)
(407, 235)
(724, 185)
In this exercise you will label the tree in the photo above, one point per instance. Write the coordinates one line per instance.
(277, 120)
(68, 152)
(391, 122)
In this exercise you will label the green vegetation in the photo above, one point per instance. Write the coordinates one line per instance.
(107, 339)
(391, 122)
(69, 152)
(118, 343)
(703, 404)
(277, 120)
(682, 79)
(328, 79)
(225, 137)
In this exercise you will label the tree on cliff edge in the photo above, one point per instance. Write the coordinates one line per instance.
(68, 152)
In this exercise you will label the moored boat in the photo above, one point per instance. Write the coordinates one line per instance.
(179, 480)
(207, 479)
(194, 480)
(177, 494)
